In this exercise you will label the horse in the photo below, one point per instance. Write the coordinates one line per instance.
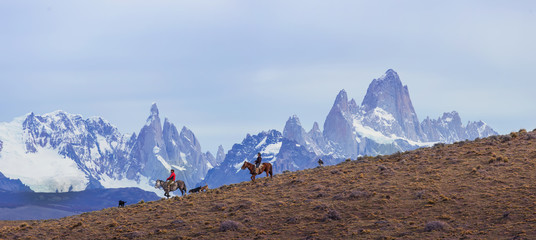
(174, 186)
(265, 167)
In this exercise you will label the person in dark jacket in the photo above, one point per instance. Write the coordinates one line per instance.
(320, 163)
(258, 161)
(171, 178)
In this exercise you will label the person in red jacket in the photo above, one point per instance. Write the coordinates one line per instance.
(171, 178)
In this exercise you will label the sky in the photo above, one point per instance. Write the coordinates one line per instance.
(228, 68)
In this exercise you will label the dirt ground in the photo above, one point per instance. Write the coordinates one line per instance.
(482, 189)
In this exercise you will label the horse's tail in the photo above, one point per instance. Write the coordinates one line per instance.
(271, 168)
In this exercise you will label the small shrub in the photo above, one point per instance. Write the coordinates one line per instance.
(419, 194)
(296, 181)
(438, 145)
(141, 202)
(321, 195)
(291, 220)
(76, 225)
(113, 224)
(135, 234)
(229, 225)
(498, 159)
(317, 187)
(513, 134)
(333, 215)
(244, 204)
(359, 194)
(444, 198)
(436, 226)
(338, 197)
(380, 158)
(506, 138)
(219, 206)
(348, 160)
(178, 222)
(320, 207)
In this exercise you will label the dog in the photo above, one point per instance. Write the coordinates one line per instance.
(199, 189)
(194, 190)
(122, 203)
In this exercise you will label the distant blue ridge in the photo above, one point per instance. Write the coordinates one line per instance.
(38, 206)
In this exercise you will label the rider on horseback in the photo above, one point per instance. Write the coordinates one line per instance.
(170, 179)
(258, 162)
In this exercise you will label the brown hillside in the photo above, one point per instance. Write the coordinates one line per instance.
(484, 189)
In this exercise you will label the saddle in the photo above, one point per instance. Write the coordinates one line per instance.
(171, 185)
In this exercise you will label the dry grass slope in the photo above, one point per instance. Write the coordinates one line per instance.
(483, 189)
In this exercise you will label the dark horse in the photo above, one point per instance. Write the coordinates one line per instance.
(265, 167)
(174, 186)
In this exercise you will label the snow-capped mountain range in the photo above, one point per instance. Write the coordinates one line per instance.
(64, 152)
(61, 152)
(384, 123)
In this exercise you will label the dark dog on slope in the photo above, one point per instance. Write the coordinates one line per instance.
(199, 189)
(122, 203)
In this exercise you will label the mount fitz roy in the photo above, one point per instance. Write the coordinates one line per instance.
(63, 152)
(384, 123)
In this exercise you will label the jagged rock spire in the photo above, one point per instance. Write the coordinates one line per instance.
(388, 94)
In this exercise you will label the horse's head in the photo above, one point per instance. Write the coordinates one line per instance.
(244, 166)
(158, 183)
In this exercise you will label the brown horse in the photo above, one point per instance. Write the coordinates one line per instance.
(265, 167)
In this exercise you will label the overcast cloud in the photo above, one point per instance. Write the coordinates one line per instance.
(228, 68)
